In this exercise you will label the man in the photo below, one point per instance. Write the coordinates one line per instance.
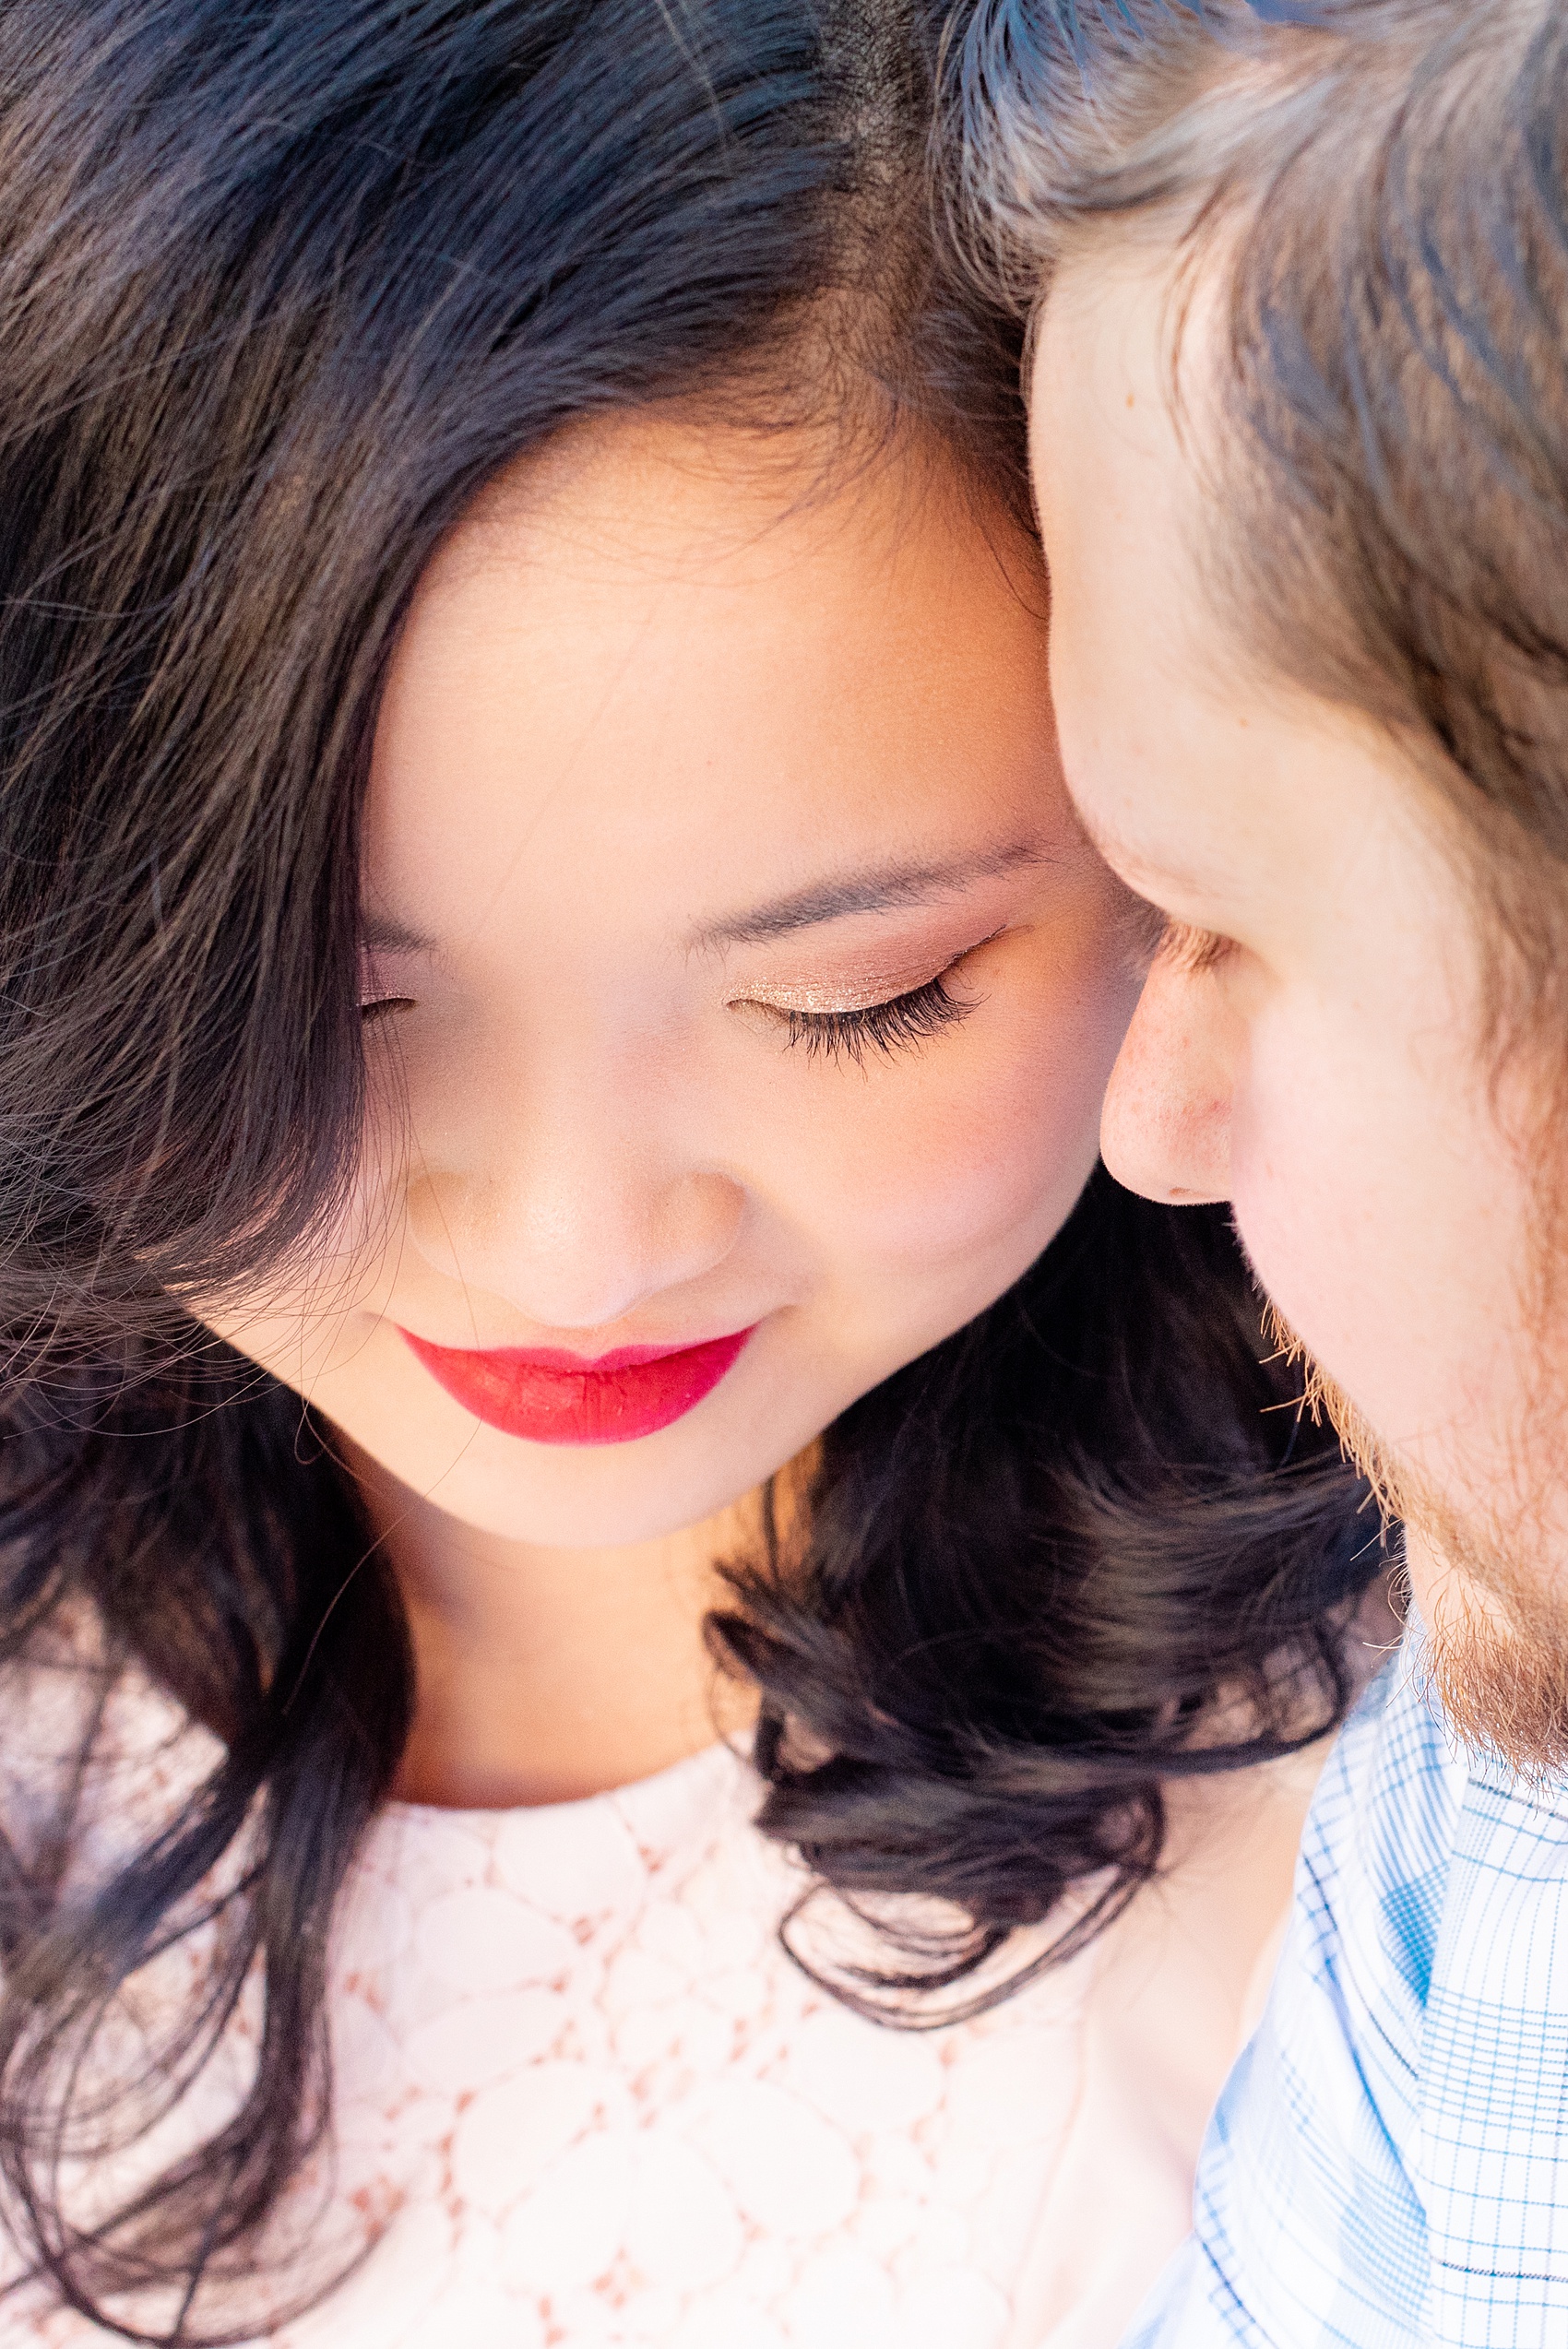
(1300, 412)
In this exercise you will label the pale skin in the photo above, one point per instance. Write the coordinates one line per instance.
(1310, 1042)
(680, 751)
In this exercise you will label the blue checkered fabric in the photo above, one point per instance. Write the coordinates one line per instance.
(1389, 2161)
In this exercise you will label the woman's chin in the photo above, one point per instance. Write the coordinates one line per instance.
(570, 1497)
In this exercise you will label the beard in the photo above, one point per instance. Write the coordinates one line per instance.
(1496, 1659)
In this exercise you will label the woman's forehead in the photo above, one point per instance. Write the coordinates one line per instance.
(651, 663)
(682, 490)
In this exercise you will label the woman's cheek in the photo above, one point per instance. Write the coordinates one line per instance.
(982, 1151)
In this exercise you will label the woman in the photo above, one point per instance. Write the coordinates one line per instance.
(553, 1024)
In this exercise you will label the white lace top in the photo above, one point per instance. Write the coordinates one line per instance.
(584, 2098)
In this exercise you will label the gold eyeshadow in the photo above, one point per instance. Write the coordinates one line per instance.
(857, 990)
(897, 1024)
(825, 999)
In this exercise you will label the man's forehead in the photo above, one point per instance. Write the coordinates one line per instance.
(1133, 313)
(1204, 774)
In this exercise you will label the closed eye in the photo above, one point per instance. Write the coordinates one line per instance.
(1191, 951)
(899, 1025)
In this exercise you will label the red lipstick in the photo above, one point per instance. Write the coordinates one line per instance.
(554, 1397)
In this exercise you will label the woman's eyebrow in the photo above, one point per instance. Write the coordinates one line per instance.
(383, 935)
(881, 890)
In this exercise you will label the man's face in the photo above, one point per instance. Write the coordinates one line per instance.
(1310, 1044)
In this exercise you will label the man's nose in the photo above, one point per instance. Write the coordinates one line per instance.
(1165, 1128)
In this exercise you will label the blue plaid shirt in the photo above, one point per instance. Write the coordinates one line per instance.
(1389, 2161)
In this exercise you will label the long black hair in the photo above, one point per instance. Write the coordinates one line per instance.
(282, 282)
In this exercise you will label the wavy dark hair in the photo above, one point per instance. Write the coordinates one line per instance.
(1090, 1544)
(282, 283)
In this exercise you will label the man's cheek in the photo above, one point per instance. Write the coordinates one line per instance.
(1339, 1252)
(1311, 1240)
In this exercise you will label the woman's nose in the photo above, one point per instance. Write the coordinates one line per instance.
(576, 1219)
(1165, 1128)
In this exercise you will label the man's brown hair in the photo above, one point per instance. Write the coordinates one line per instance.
(1388, 183)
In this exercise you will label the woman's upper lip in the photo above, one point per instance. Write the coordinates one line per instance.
(559, 1357)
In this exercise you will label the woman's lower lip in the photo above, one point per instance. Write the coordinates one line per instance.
(550, 1397)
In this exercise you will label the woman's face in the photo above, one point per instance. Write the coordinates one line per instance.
(740, 988)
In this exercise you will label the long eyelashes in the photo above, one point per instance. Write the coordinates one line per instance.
(899, 1026)
(909, 1020)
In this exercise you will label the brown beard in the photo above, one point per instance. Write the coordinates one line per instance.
(1496, 1654)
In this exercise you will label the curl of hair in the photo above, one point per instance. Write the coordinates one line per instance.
(1090, 1544)
(281, 285)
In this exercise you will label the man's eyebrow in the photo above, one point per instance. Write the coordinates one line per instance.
(881, 890)
(383, 935)
(1123, 859)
